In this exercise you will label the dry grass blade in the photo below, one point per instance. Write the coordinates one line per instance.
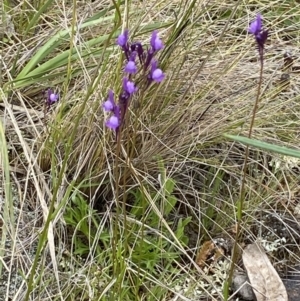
(265, 281)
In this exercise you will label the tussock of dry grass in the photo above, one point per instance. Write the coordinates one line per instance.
(181, 123)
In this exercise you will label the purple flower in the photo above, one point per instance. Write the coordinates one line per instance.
(156, 42)
(128, 86)
(113, 122)
(51, 97)
(259, 33)
(131, 67)
(109, 104)
(156, 74)
(256, 26)
(123, 38)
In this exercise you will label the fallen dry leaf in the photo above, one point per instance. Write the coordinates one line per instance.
(213, 250)
(265, 281)
(209, 253)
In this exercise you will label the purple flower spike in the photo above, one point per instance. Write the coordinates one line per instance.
(113, 122)
(259, 33)
(129, 86)
(109, 104)
(123, 38)
(156, 42)
(156, 74)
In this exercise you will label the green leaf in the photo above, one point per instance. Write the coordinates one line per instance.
(169, 186)
(81, 248)
(140, 206)
(266, 146)
(182, 223)
(169, 204)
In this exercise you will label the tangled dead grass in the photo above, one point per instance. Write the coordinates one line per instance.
(210, 90)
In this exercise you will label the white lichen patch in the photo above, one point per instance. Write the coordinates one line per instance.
(284, 163)
(193, 288)
(272, 246)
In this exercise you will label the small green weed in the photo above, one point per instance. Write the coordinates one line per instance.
(84, 221)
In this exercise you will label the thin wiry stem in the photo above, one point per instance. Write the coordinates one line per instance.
(115, 238)
(235, 251)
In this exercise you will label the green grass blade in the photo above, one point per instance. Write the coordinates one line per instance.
(37, 15)
(32, 22)
(8, 203)
(266, 146)
(61, 59)
(54, 42)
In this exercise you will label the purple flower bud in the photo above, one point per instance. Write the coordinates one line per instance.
(123, 38)
(129, 86)
(109, 104)
(261, 38)
(156, 42)
(112, 122)
(138, 48)
(123, 98)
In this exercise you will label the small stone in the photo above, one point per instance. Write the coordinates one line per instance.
(241, 285)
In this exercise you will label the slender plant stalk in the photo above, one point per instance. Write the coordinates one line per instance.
(115, 239)
(8, 212)
(235, 251)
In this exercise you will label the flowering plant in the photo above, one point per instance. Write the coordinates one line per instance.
(138, 60)
(259, 33)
